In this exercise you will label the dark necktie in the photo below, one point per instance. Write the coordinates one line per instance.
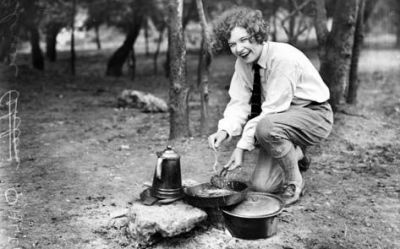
(255, 100)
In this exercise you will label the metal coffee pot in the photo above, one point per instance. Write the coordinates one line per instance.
(167, 181)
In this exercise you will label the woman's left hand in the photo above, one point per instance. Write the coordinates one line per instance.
(236, 159)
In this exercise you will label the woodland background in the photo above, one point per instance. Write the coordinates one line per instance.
(82, 156)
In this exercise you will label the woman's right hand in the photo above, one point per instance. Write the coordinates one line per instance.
(215, 140)
(236, 159)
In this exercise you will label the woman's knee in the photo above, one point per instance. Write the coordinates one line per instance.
(272, 138)
(263, 130)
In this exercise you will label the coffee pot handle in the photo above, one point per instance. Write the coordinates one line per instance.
(159, 168)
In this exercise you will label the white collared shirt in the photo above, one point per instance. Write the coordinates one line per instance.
(287, 77)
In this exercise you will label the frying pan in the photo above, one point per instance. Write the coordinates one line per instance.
(194, 198)
(219, 180)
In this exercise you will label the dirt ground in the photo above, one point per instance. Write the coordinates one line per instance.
(83, 159)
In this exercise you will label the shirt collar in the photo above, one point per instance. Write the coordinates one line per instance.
(262, 61)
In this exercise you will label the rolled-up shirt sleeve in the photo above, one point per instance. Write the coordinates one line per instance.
(279, 92)
(238, 108)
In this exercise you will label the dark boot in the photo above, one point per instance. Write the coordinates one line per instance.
(304, 163)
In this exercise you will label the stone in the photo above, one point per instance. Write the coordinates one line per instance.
(118, 219)
(147, 224)
(118, 223)
(189, 183)
(142, 100)
(117, 213)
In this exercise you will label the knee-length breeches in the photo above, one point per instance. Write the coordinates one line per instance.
(300, 125)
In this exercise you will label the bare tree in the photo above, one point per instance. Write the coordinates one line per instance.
(56, 15)
(179, 90)
(51, 31)
(9, 13)
(117, 60)
(29, 20)
(297, 23)
(99, 12)
(396, 16)
(188, 10)
(364, 12)
(146, 36)
(159, 18)
(72, 59)
(351, 97)
(335, 46)
(203, 70)
(157, 52)
(132, 63)
(36, 51)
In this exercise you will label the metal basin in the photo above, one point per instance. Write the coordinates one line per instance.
(254, 217)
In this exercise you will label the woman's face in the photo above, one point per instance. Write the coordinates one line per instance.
(243, 46)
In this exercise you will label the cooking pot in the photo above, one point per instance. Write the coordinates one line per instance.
(255, 217)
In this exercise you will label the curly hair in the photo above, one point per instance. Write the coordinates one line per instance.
(249, 19)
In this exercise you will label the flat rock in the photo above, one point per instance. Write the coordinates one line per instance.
(146, 224)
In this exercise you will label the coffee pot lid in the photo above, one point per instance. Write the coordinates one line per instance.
(169, 153)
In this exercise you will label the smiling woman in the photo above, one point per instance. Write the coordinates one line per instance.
(278, 103)
(243, 45)
(248, 19)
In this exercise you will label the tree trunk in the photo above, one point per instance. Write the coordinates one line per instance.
(275, 7)
(321, 29)
(398, 30)
(275, 27)
(369, 6)
(358, 42)
(336, 47)
(185, 21)
(146, 36)
(179, 90)
(203, 70)
(292, 23)
(72, 59)
(156, 53)
(29, 12)
(5, 48)
(117, 60)
(396, 10)
(167, 63)
(398, 37)
(132, 63)
(8, 31)
(190, 10)
(36, 51)
(51, 44)
(97, 37)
